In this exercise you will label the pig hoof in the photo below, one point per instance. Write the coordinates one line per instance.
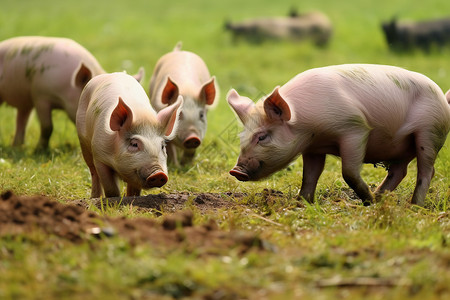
(239, 175)
(191, 143)
(367, 202)
(157, 180)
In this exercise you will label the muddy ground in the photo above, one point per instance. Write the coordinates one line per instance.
(75, 223)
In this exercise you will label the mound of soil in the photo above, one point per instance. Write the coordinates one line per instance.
(203, 202)
(25, 214)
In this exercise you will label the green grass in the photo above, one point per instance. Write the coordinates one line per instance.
(328, 240)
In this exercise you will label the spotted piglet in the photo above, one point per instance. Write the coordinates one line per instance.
(121, 136)
(362, 113)
(184, 73)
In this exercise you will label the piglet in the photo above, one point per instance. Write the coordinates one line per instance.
(362, 113)
(44, 73)
(184, 73)
(122, 136)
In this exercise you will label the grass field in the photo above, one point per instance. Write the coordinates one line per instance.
(332, 249)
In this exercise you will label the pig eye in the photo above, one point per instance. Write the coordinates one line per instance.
(163, 145)
(262, 138)
(202, 115)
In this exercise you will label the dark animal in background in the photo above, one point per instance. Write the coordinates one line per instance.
(425, 35)
(314, 26)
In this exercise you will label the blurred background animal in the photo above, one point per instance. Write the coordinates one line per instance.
(407, 35)
(297, 27)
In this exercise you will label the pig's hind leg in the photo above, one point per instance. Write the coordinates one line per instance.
(427, 148)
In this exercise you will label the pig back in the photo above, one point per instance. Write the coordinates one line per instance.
(386, 98)
(33, 65)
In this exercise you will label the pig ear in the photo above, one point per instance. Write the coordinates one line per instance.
(208, 92)
(178, 46)
(276, 108)
(140, 75)
(170, 92)
(240, 105)
(82, 76)
(121, 116)
(168, 118)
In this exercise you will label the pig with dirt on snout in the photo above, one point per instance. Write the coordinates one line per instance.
(362, 113)
(44, 73)
(122, 136)
(183, 73)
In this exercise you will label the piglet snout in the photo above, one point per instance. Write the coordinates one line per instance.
(239, 174)
(157, 179)
(246, 169)
(192, 142)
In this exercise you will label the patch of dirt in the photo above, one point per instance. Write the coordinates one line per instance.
(24, 214)
(203, 202)
(157, 203)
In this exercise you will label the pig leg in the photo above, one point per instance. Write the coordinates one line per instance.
(396, 173)
(108, 180)
(426, 155)
(172, 154)
(133, 191)
(44, 113)
(313, 165)
(352, 152)
(188, 156)
(96, 190)
(21, 124)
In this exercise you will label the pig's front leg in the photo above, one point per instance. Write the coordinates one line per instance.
(313, 165)
(96, 190)
(21, 124)
(352, 151)
(172, 154)
(133, 191)
(188, 156)
(108, 179)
